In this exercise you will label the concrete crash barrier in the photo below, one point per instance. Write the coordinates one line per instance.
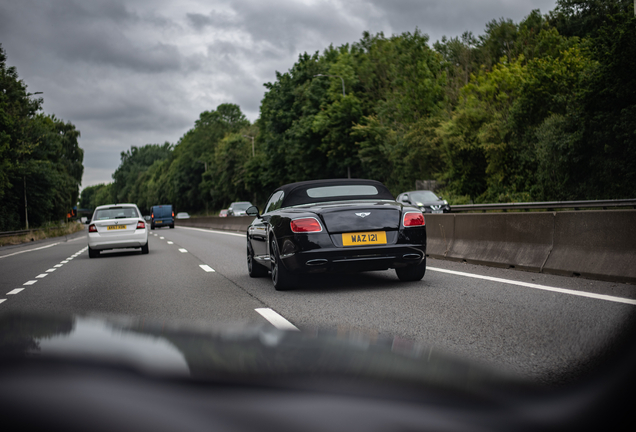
(440, 232)
(520, 240)
(239, 223)
(595, 244)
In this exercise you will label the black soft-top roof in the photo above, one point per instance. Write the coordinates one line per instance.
(296, 193)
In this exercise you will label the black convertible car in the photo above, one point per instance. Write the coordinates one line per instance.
(336, 225)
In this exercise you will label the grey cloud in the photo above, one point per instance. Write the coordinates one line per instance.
(198, 21)
(91, 32)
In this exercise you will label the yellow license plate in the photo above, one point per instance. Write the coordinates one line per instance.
(364, 238)
(158, 222)
(116, 227)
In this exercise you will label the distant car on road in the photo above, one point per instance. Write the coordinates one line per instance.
(162, 215)
(182, 215)
(238, 208)
(116, 226)
(425, 200)
(223, 213)
(340, 225)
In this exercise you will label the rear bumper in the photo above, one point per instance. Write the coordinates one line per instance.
(354, 259)
(103, 242)
(162, 222)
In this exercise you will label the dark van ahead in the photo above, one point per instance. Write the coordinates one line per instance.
(161, 215)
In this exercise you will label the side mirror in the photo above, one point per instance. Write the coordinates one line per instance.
(252, 211)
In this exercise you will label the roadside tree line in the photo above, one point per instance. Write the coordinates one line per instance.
(544, 109)
(40, 159)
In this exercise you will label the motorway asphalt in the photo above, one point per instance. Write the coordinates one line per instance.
(543, 327)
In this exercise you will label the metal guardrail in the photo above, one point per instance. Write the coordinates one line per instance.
(548, 205)
(16, 233)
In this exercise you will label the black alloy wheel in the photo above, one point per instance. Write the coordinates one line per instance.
(282, 279)
(253, 268)
(412, 273)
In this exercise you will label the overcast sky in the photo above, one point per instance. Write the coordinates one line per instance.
(139, 72)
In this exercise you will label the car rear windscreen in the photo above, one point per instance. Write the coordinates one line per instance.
(341, 191)
(162, 211)
(116, 213)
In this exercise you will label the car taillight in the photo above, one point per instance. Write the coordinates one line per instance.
(172, 214)
(141, 225)
(92, 228)
(305, 225)
(413, 219)
(152, 215)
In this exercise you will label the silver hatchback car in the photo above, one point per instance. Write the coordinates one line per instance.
(116, 226)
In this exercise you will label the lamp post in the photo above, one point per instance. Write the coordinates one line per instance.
(26, 213)
(205, 164)
(249, 136)
(342, 79)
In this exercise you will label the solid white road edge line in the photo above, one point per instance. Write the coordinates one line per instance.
(276, 320)
(541, 287)
(206, 267)
(213, 231)
(30, 250)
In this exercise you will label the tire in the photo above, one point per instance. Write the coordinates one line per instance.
(254, 269)
(92, 253)
(144, 249)
(172, 226)
(282, 279)
(412, 273)
(152, 227)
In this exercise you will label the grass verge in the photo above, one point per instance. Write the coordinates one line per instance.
(43, 233)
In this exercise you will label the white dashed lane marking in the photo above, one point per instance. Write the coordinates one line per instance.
(183, 250)
(207, 268)
(49, 271)
(275, 319)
